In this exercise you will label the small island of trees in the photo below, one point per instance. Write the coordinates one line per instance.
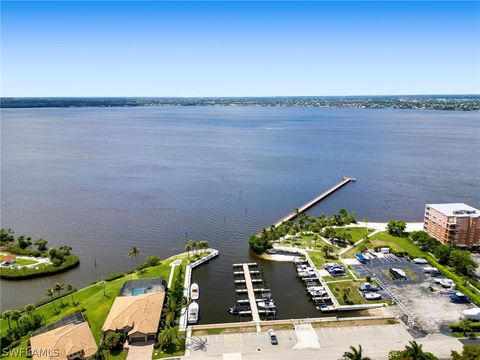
(23, 258)
(261, 242)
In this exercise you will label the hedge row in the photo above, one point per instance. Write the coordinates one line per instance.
(70, 262)
(114, 276)
(475, 326)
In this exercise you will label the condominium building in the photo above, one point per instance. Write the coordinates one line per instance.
(456, 222)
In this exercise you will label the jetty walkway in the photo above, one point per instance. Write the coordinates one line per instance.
(304, 207)
(251, 294)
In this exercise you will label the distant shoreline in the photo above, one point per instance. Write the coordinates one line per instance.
(405, 102)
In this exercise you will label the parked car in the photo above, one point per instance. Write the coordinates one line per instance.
(368, 287)
(361, 258)
(447, 283)
(459, 298)
(272, 336)
(420, 261)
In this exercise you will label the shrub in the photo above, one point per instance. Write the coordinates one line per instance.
(396, 228)
(259, 244)
(150, 261)
(114, 276)
(457, 327)
(113, 340)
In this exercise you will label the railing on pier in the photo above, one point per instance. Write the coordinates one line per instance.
(306, 206)
(187, 283)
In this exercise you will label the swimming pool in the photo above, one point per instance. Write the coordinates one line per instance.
(139, 290)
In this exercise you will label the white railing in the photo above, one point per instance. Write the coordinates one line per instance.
(186, 285)
(408, 314)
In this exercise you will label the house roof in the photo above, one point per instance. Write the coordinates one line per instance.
(140, 313)
(7, 258)
(63, 341)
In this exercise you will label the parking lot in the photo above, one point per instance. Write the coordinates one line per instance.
(432, 310)
(306, 342)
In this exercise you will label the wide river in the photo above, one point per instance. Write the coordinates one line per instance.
(105, 179)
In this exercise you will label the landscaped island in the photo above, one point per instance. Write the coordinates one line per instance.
(18, 260)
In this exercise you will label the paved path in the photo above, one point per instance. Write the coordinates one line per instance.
(307, 337)
(172, 271)
(140, 352)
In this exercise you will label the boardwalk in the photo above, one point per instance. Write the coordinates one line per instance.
(251, 294)
(312, 202)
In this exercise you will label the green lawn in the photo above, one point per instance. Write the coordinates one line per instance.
(358, 232)
(94, 303)
(304, 241)
(24, 262)
(318, 258)
(385, 239)
(354, 296)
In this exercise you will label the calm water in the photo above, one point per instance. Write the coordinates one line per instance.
(104, 179)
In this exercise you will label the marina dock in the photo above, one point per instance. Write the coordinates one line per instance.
(251, 294)
(314, 201)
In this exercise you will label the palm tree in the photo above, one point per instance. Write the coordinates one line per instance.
(29, 309)
(327, 250)
(188, 247)
(346, 292)
(134, 252)
(58, 288)
(168, 312)
(167, 335)
(354, 354)
(203, 244)
(193, 245)
(50, 293)
(414, 351)
(365, 220)
(15, 316)
(7, 314)
(69, 288)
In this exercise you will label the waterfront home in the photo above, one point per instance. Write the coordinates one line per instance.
(65, 340)
(136, 311)
(7, 260)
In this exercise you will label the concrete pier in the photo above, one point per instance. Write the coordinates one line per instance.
(312, 202)
(251, 295)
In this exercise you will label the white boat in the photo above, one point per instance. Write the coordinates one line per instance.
(306, 273)
(372, 296)
(317, 293)
(192, 313)
(472, 314)
(315, 288)
(194, 291)
(266, 304)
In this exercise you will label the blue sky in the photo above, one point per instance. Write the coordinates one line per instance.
(239, 48)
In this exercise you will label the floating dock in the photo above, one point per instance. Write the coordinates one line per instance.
(314, 201)
(254, 298)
